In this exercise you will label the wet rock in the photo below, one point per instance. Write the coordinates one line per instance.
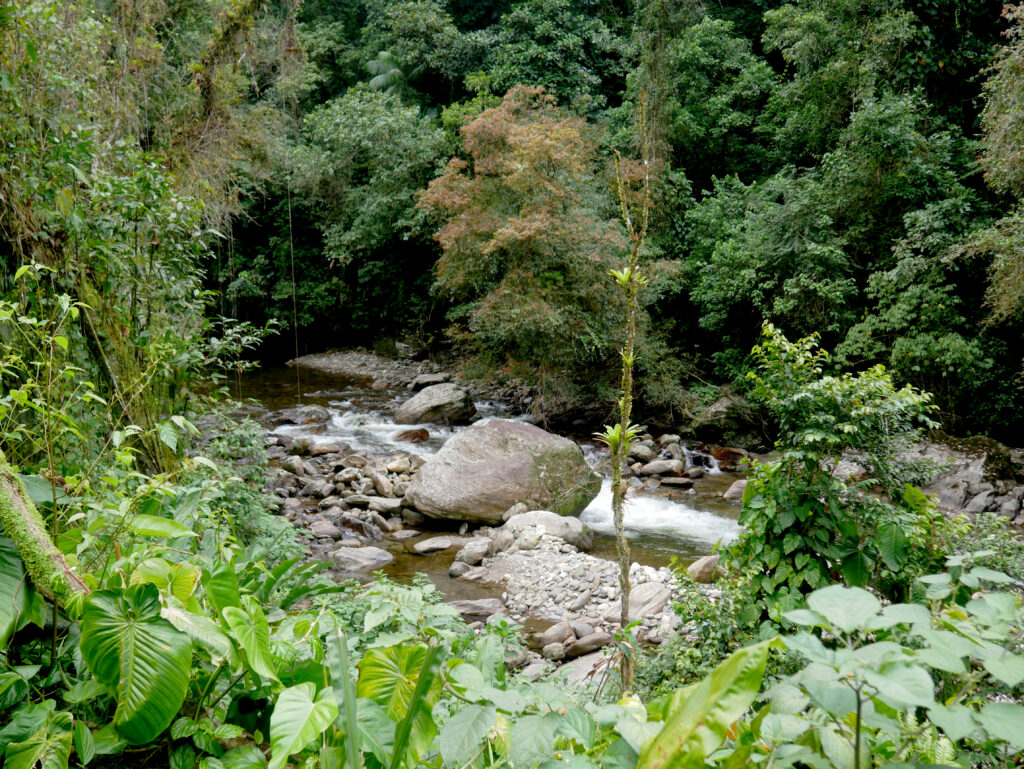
(704, 569)
(589, 643)
(432, 545)
(359, 560)
(305, 415)
(458, 568)
(412, 517)
(404, 534)
(695, 473)
(323, 448)
(683, 482)
(662, 467)
(735, 491)
(491, 465)
(317, 487)
(445, 403)
(473, 552)
(641, 452)
(571, 530)
(477, 609)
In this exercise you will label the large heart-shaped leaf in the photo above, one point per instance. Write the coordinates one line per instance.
(141, 657)
(300, 716)
(48, 748)
(251, 630)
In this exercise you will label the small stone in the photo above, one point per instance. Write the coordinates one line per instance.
(554, 651)
(322, 528)
(581, 600)
(662, 467)
(695, 473)
(432, 545)
(473, 552)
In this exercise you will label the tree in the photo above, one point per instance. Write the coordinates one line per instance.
(526, 244)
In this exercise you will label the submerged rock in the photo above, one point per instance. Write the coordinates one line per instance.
(491, 465)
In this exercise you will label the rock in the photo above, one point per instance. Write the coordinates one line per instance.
(324, 529)
(458, 568)
(305, 415)
(361, 559)
(502, 541)
(694, 473)
(381, 484)
(477, 609)
(728, 454)
(354, 460)
(426, 380)
(730, 419)
(980, 503)
(1010, 507)
(528, 537)
(404, 534)
(413, 436)
(535, 670)
(571, 530)
(317, 487)
(735, 491)
(517, 509)
(581, 601)
(412, 517)
(668, 438)
(589, 643)
(648, 599)
(683, 482)
(294, 464)
(432, 545)
(582, 669)
(473, 551)
(322, 448)
(558, 633)
(491, 465)
(663, 467)
(704, 569)
(445, 403)
(399, 465)
(554, 651)
(641, 452)
(580, 629)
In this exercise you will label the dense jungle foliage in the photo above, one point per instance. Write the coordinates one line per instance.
(180, 177)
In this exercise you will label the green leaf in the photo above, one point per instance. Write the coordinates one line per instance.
(892, 545)
(85, 745)
(957, 721)
(465, 732)
(48, 748)
(856, 568)
(155, 526)
(141, 657)
(251, 630)
(531, 739)
(221, 586)
(345, 696)
(846, 608)
(1008, 668)
(16, 590)
(416, 730)
(696, 723)
(903, 685)
(1003, 720)
(300, 716)
(168, 436)
(202, 630)
(244, 757)
(577, 725)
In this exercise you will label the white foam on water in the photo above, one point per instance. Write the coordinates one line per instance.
(650, 515)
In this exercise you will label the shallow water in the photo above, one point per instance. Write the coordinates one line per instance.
(659, 527)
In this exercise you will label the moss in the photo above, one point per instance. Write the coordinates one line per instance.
(25, 526)
(564, 474)
(999, 463)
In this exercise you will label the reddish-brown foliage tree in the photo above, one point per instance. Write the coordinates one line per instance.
(528, 238)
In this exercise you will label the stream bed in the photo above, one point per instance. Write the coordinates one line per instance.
(660, 526)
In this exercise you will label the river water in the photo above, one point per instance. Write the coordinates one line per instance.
(660, 527)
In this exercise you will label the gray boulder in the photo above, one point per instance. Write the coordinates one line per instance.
(663, 467)
(491, 465)
(735, 491)
(439, 403)
(359, 560)
(478, 609)
(428, 380)
(473, 551)
(571, 530)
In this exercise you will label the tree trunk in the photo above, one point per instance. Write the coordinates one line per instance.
(22, 522)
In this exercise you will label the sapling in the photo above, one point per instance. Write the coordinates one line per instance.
(635, 218)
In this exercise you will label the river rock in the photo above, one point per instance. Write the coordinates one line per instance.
(517, 509)
(477, 609)
(663, 467)
(980, 502)
(426, 380)
(704, 569)
(558, 633)
(641, 452)
(589, 643)
(413, 436)
(648, 599)
(359, 560)
(294, 464)
(322, 528)
(735, 491)
(432, 545)
(491, 465)
(695, 473)
(473, 551)
(553, 651)
(571, 530)
(458, 568)
(305, 415)
(580, 628)
(446, 403)
(399, 465)
(585, 668)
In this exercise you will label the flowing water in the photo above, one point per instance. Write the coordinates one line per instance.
(660, 527)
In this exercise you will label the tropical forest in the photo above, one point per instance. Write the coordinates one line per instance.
(511, 384)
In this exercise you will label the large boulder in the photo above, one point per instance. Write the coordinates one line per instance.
(571, 530)
(491, 465)
(446, 403)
